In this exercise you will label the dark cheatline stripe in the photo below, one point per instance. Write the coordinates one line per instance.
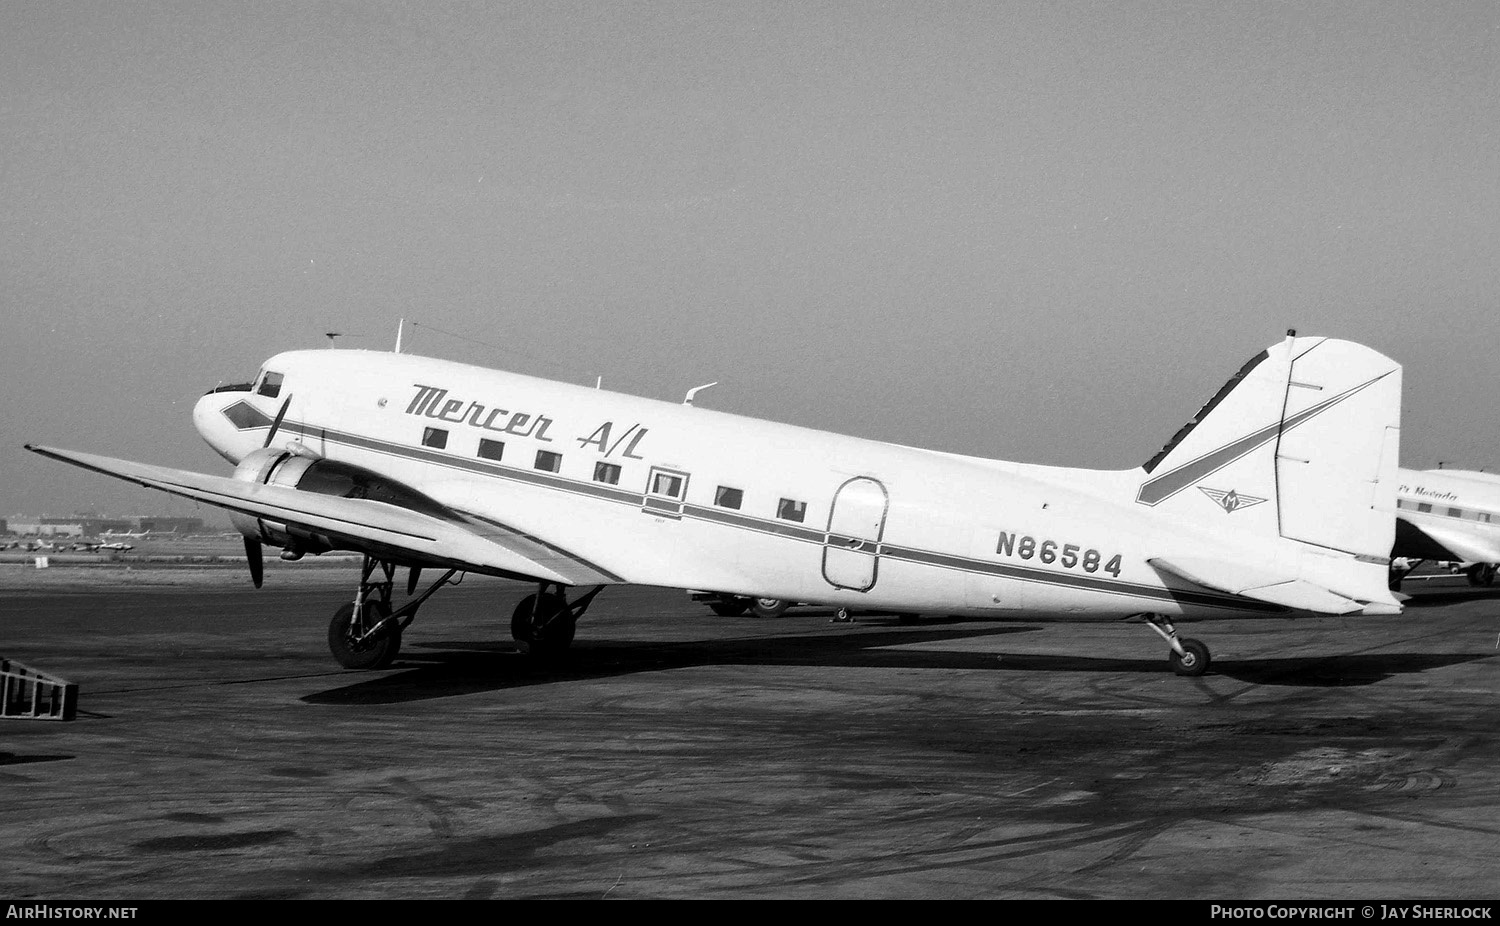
(781, 528)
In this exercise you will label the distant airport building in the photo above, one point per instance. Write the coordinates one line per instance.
(87, 526)
(74, 526)
(48, 527)
(172, 525)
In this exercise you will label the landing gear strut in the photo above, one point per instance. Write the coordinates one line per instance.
(543, 624)
(366, 632)
(1188, 656)
(1401, 567)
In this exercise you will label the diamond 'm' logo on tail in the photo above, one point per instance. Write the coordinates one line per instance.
(1231, 501)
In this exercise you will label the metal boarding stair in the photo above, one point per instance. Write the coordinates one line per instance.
(26, 693)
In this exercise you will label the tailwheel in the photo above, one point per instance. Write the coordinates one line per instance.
(368, 642)
(1192, 661)
(1188, 656)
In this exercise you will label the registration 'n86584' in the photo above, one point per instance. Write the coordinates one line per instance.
(1050, 552)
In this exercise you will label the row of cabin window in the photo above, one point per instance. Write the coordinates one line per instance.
(668, 484)
(1426, 507)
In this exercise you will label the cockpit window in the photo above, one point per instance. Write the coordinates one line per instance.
(270, 385)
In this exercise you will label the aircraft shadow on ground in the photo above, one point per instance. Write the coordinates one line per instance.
(12, 758)
(1448, 596)
(442, 669)
(1335, 671)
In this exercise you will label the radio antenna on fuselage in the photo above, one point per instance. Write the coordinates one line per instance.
(693, 392)
(400, 323)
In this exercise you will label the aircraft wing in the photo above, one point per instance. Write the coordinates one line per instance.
(1263, 585)
(1453, 542)
(388, 531)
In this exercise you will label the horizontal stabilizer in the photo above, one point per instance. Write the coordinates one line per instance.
(1289, 591)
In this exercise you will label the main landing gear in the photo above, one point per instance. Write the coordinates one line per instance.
(1400, 568)
(543, 624)
(1188, 656)
(366, 632)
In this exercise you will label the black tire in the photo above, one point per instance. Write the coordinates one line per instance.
(544, 629)
(729, 607)
(1482, 574)
(769, 607)
(375, 653)
(1193, 661)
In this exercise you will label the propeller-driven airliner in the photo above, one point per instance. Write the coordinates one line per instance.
(1449, 515)
(1277, 499)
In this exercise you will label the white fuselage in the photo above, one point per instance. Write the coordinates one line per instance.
(654, 493)
(1460, 509)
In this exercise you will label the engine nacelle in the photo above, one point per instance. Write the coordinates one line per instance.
(278, 467)
(269, 466)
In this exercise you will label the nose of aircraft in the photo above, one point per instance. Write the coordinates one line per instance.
(213, 419)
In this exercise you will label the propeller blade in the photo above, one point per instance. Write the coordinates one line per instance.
(276, 425)
(411, 580)
(256, 561)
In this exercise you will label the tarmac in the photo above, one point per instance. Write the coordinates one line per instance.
(219, 753)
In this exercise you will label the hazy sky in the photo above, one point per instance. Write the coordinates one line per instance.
(1036, 231)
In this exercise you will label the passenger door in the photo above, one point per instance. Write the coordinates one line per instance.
(856, 522)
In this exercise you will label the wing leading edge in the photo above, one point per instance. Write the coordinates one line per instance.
(364, 525)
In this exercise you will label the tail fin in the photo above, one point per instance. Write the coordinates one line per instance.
(1302, 444)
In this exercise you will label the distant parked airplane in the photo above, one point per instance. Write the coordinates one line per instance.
(1451, 515)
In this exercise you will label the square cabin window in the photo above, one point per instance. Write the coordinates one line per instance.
(548, 462)
(434, 437)
(725, 497)
(1424, 506)
(668, 484)
(791, 510)
(1455, 512)
(491, 449)
(607, 473)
